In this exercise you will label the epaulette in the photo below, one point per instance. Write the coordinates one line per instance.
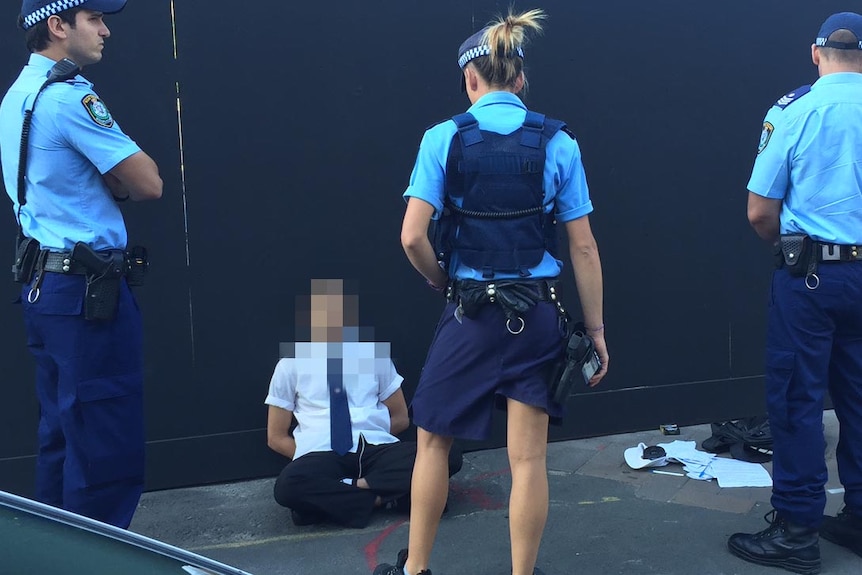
(566, 130)
(791, 97)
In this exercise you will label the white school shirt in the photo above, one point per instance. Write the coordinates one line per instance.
(299, 385)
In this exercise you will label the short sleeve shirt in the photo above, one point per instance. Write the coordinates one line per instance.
(73, 141)
(299, 384)
(503, 112)
(810, 157)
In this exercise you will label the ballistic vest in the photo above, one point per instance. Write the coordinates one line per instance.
(494, 211)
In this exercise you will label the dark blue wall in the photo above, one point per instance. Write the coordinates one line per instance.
(299, 130)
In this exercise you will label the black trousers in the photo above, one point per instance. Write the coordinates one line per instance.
(312, 484)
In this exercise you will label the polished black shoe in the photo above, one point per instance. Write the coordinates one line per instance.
(398, 568)
(844, 530)
(783, 544)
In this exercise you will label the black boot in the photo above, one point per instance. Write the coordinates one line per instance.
(398, 568)
(782, 544)
(844, 530)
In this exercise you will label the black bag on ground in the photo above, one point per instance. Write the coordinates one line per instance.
(747, 439)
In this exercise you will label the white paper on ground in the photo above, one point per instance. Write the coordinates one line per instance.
(735, 473)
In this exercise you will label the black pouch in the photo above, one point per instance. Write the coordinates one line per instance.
(137, 266)
(515, 297)
(26, 255)
(581, 363)
(798, 253)
(104, 272)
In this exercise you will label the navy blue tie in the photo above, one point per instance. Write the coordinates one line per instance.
(341, 434)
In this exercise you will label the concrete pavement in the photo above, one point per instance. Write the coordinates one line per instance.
(605, 518)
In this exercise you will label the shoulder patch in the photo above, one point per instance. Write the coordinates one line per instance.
(765, 135)
(98, 111)
(791, 97)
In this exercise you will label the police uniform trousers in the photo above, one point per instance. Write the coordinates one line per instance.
(312, 484)
(89, 381)
(814, 343)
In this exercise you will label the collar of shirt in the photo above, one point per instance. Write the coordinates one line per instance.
(839, 78)
(501, 97)
(40, 65)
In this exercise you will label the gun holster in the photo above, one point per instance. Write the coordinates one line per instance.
(26, 256)
(578, 365)
(798, 254)
(104, 273)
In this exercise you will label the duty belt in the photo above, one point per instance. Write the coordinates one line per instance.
(837, 252)
(61, 263)
(543, 290)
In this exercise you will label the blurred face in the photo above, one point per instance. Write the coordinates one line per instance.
(85, 41)
(327, 311)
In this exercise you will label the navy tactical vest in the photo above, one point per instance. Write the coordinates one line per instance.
(501, 225)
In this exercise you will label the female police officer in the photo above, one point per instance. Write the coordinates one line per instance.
(495, 179)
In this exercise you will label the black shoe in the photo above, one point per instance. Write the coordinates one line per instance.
(399, 504)
(844, 530)
(302, 518)
(782, 544)
(398, 568)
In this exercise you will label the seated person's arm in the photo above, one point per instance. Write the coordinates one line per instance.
(278, 436)
(398, 417)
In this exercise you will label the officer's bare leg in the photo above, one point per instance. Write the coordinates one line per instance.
(429, 491)
(527, 444)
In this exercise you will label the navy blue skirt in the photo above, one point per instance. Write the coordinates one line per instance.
(474, 364)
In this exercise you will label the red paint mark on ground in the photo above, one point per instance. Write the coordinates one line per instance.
(372, 548)
(472, 491)
(476, 494)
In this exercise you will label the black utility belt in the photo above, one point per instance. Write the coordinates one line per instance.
(103, 271)
(540, 290)
(837, 252)
(801, 255)
(515, 297)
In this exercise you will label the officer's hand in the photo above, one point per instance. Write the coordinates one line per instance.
(602, 350)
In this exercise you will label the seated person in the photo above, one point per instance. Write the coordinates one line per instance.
(346, 399)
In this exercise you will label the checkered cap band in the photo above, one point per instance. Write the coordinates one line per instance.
(481, 50)
(49, 10)
(822, 42)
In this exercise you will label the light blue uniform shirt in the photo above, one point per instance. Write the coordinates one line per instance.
(810, 156)
(503, 113)
(73, 141)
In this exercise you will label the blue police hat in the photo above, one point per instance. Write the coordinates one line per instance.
(841, 21)
(35, 11)
(474, 47)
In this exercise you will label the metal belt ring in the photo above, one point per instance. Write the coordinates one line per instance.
(33, 295)
(520, 329)
(816, 281)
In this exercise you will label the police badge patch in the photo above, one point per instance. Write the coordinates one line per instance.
(98, 111)
(765, 135)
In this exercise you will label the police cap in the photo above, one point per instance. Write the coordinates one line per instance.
(841, 21)
(35, 11)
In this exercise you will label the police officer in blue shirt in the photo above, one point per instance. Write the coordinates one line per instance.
(83, 325)
(806, 196)
(495, 180)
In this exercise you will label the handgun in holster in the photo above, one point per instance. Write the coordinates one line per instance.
(579, 365)
(26, 256)
(104, 272)
(798, 254)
